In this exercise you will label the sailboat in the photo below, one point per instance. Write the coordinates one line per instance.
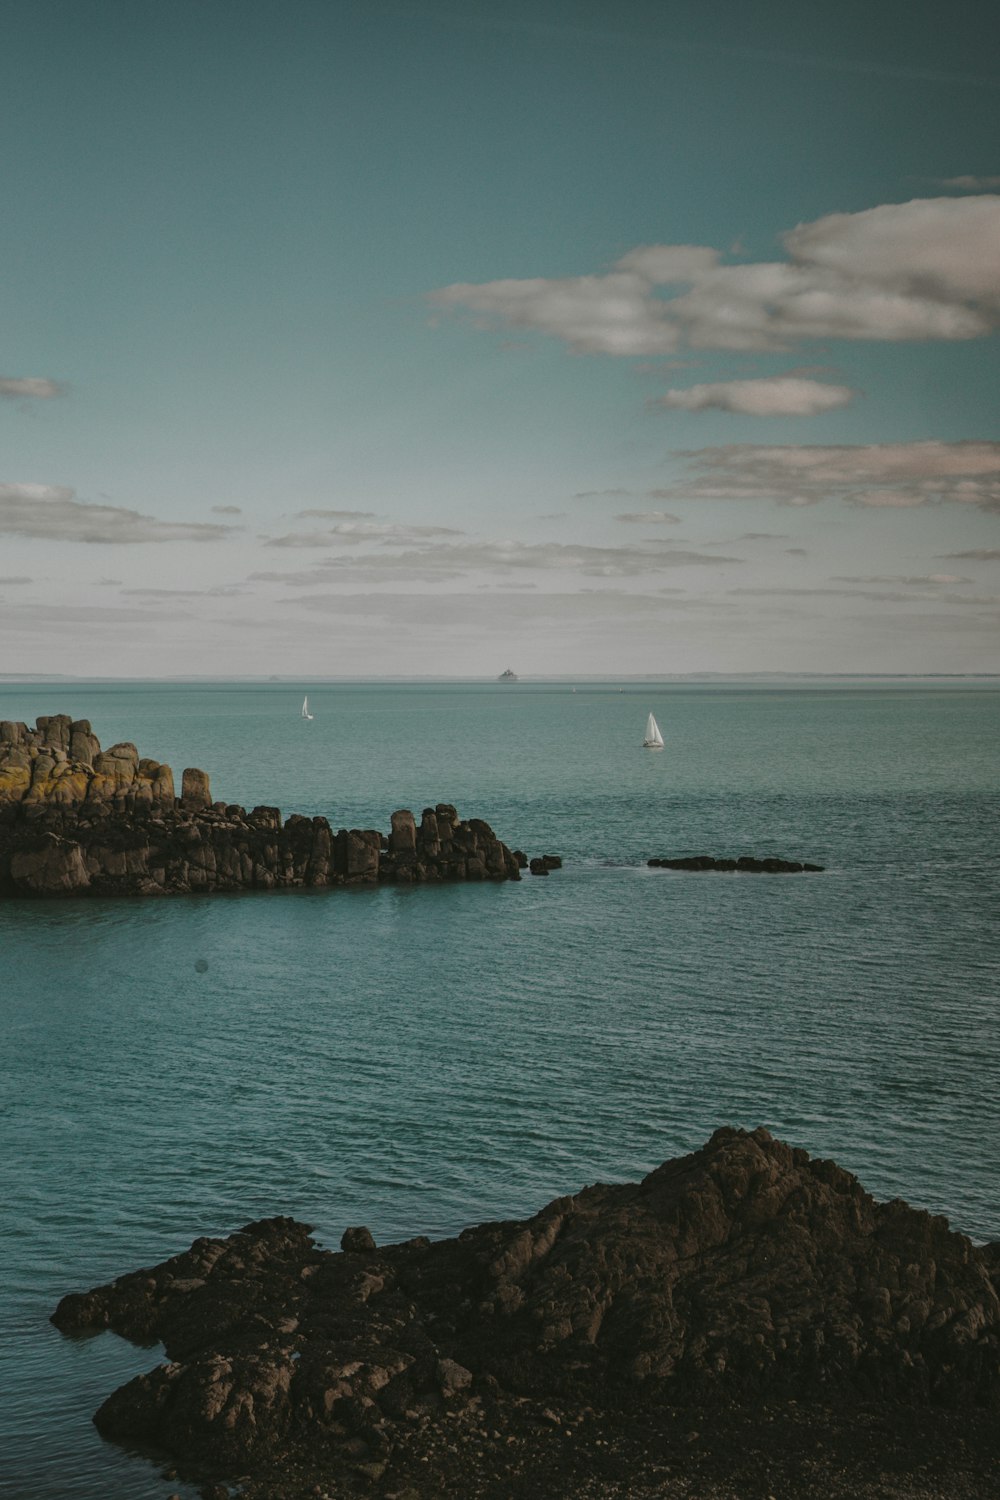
(654, 739)
(305, 709)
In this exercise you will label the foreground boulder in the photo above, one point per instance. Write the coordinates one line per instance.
(746, 1273)
(76, 820)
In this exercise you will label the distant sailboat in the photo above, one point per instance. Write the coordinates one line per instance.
(654, 739)
(305, 709)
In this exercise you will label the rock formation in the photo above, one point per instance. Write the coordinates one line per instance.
(745, 865)
(744, 1273)
(79, 820)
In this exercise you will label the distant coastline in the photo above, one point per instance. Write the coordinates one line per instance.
(528, 677)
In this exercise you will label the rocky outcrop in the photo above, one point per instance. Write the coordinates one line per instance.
(79, 820)
(745, 1272)
(745, 865)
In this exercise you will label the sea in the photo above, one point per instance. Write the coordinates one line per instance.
(419, 1059)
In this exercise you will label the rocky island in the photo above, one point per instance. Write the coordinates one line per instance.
(76, 820)
(746, 864)
(744, 1322)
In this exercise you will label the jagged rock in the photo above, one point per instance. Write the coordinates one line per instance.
(107, 822)
(403, 838)
(195, 790)
(52, 867)
(544, 863)
(745, 1272)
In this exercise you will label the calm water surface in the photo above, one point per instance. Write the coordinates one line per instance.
(421, 1059)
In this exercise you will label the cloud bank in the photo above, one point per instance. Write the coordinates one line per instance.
(900, 475)
(927, 269)
(451, 560)
(49, 512)
(354, 533)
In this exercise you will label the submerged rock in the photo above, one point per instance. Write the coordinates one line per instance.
(747, 1272)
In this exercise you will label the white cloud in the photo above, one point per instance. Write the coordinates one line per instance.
(881, 474)
(927, 269)
(29, 387)
(771, 396)
(943, 248)
(50, 512)
(611, 314)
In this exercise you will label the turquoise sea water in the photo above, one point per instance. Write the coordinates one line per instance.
(420, 1059)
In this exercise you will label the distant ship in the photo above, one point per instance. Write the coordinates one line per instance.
(507, 676)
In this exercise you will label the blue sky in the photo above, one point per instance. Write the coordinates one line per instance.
(348, 339)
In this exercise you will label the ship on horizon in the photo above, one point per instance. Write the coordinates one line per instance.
(507, 676)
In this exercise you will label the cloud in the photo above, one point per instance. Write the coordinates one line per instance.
(926, 269)
(943, 248)
(7, 581)
(976, 554)
(969, 184)
(880, 596)
(796, 552)
(219, 591)
(772, 396)
(878, 475)
(925, 578)
(29, 387)
(354, 533)
(501, 558)
(652, 517)
(590, 611)
(334, 515)
(227, 510)
(50, 512)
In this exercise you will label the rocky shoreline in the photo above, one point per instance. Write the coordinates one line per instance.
(76, 820)
(746, 1321)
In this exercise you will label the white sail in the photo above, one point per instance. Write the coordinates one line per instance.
(654, 739)
(305, 708)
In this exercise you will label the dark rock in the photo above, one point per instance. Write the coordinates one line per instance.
(746, 865)
(746, 1272)
(359, 1239)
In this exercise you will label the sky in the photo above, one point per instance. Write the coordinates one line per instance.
(397, 339)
